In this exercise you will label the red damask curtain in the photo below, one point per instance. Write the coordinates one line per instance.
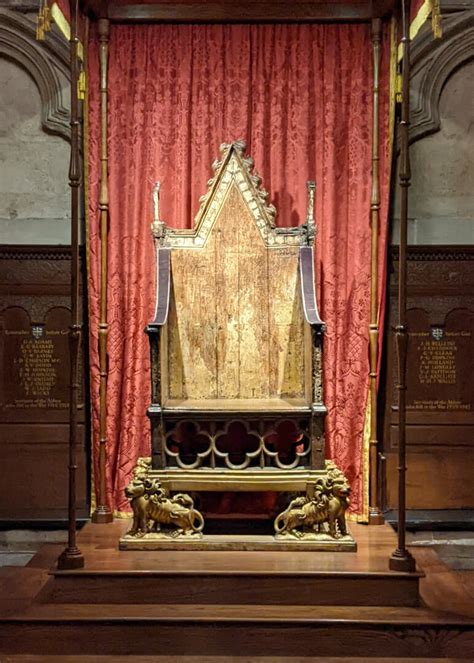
(301, 96)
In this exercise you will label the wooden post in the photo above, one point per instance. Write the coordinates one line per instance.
(103, 514)
(375, 515)
(401, 559)
(71, 557)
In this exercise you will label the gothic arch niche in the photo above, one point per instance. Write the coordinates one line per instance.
(46, 62)
(442, 198)
(441, 134)
(34, 142)
(433, 64)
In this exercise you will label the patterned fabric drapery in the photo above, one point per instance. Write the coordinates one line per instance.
(301, 96)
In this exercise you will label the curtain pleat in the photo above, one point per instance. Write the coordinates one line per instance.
(301, 96)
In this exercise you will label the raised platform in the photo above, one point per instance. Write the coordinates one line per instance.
(271, 577)
(235, 604)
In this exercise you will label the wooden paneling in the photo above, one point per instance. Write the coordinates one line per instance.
(244, 11)
(34, 385)
(440, 389)
(34, 474)
(236, 328)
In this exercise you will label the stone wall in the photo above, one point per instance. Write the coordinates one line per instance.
(441, 198)
(34, 131)
(34, 192)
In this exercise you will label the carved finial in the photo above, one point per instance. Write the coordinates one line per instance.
(158, 226)
(245, 164)
(240, 145)
(310, 225)
(156, 201)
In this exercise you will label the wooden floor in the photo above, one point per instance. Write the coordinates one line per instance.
(243, 606)
(20, 658)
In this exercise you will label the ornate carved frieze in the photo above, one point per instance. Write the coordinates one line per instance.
(435, 253)
(42, 267)
(12, 252)
(450, 272)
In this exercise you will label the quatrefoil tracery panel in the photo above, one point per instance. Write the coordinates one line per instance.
(237, 444)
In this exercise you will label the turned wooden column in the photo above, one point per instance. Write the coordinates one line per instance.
(102, 513)
(375, 515)
(71, 557)
(401, 559)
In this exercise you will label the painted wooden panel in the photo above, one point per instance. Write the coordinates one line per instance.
(235, 329)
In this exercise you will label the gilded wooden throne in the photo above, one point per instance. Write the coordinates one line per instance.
(236, 369)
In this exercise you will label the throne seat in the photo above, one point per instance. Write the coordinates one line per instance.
(211, 406)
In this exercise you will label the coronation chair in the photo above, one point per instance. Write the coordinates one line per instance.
(236, 358)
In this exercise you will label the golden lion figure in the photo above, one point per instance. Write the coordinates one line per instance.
(154, 508)
(305, 515)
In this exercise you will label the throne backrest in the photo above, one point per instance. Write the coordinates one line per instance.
(236, 330)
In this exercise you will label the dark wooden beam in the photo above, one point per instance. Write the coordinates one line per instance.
(72, 557)
(375, 514)
(401, 558)
(382, 8)
(103, 513)
(95, 9)
(246, 11)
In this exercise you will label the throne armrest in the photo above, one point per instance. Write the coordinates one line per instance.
(308, 292)
(153, 329)
(163, 281)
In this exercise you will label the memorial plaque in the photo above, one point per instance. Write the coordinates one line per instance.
(440, 385)
(440, 363)
(34, 385)
(35, 361)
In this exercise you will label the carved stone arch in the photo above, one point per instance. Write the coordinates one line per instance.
(433, 63)
(41, 60)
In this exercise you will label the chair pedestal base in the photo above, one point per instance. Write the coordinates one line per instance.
(165, 517)
(228, 542)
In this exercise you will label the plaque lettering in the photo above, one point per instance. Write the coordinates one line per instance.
(37, 366)
(438, 373)
(35, 369)
(437, 362)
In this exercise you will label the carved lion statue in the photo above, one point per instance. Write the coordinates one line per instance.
(153, 507)
(307, 514)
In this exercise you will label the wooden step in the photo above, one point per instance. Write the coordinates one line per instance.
(230, 630)
(21, 581)
(250, 588)
(240, 577)
(231, 622)
(21, 658)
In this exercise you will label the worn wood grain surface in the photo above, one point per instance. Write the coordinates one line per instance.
(236, 329)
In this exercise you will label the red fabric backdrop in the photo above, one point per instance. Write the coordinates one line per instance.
(301, 96)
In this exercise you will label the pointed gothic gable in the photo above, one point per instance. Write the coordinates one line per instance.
(236, 327)
(234, 171)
